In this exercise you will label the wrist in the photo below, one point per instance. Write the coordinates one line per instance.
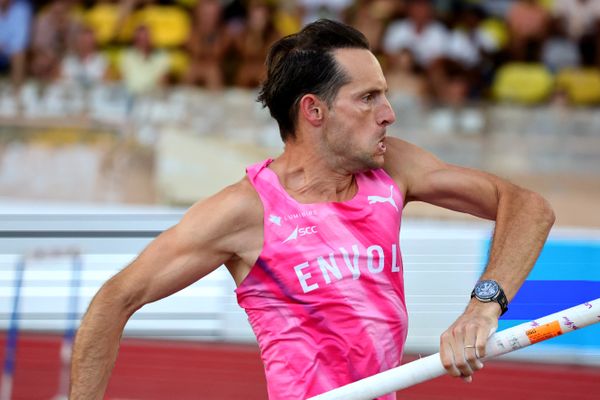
(490, 309)
(489, 291)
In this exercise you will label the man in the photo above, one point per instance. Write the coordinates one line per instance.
(15, 20)
(310, 238)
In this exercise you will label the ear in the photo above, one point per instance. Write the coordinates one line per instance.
(311, 108)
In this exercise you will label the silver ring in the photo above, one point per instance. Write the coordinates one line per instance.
(470, 347)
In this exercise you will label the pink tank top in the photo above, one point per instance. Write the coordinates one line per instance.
(326, 295)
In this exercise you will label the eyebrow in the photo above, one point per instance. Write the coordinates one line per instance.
(372, 89)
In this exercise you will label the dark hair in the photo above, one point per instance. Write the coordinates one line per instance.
(303, 63)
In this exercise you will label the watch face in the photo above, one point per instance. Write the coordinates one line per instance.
(486, 289)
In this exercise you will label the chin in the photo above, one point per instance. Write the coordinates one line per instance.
(374, 162)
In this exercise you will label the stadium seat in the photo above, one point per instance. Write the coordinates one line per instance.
(497, 29)
(169, 25)
(522, 83)
(286, 23)
(582, 86)
(102, 19)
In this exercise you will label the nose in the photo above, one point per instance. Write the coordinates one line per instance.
(386, 114)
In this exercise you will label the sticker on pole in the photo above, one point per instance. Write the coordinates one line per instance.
(543, 332)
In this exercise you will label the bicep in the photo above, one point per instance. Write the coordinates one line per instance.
(183, 254)
(170, 263)
(427, 178)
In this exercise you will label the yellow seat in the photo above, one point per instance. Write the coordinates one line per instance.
(286, 23)
(102, 19)
(522, 83)
(170, 26)
(498, 30)
(581, 85)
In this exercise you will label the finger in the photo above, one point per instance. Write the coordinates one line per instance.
(458, 352)
(471, 356)
(483, 334)
(446, 354)
(467, 379)
(471, 352)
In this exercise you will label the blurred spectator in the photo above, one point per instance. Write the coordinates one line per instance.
(125, 11)
(469, 43)
(15, 20)
(254, 44)
(85, 65)
(473, 49)
(142, 67)
(206, 45)
(53, 30)
(528, 24)
(426, 38)
(312, 10)
(558, 51)
(496, 8)
(429, 41)
(371, 16)
(404, 78)
(581, 22)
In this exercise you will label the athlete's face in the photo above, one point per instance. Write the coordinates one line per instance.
(356, 122)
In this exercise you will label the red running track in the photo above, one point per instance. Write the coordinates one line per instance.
(158, 370)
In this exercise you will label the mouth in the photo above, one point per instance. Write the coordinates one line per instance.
(381, 145)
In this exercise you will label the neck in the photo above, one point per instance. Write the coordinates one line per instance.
(308, 176)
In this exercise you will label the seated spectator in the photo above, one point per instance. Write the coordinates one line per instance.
(143, 68)
(53, 29)
(469, 43)
(472, 48)
(424, 36)
(404, 78)
(371, 16)
(580, 20)
(253, 44)
(559, 51)
(428, 41)
(84, 66)
(15, 20)
(206, 45)
(312, 10)
(528, 24)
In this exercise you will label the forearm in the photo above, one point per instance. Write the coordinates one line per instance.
(95, 349)
(523, 222)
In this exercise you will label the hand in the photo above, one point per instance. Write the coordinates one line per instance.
(462, 345)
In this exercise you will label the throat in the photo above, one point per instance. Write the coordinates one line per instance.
(324, 191)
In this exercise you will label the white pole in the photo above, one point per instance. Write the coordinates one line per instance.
(502, 342)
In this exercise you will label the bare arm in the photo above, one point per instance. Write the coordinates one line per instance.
(523, 221)
(211, 233)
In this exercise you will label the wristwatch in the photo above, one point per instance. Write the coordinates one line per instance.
(487, 291)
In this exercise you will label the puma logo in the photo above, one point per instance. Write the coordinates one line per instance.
(379, 199)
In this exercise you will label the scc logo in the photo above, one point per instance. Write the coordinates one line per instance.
(301, 231)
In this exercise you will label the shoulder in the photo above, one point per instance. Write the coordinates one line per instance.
(405, 156)
(234, 208)
(407, 163)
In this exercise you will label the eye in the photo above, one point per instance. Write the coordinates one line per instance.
(367, 98)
